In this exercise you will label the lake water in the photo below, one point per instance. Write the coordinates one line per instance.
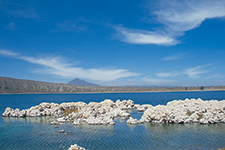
(36, 133)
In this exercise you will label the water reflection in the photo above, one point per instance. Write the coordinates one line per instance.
(29, 133)
(187, 136)
(171, 128)
(45, 119)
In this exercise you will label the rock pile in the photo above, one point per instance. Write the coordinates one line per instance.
(93, 113)
(132, 121)
(103, 113)
(186, 111)
(75, 147)
(44, 109)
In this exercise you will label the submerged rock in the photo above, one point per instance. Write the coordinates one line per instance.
(61, 131)
(75, 147)
(132, 121)
(62, 120)
(54, 123)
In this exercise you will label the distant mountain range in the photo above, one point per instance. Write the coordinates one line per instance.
(12, 85)
(78, 81)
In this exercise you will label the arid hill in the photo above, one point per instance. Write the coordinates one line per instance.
(78, 81)
(11, 85)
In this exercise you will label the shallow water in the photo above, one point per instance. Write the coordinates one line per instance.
(37, 133)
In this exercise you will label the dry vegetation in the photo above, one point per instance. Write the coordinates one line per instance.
(69, 111)
(10, 85)
(189, 113)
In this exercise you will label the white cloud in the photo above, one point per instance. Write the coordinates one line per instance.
(57, 66)
(143, 37)
(8, 53)
(176, 17)
(193, 72)
(167, 74)
(217, 75)
(196, 71)
(19, 10)
(79, 24)
(184, 15)
(174, 57)
(157, 81)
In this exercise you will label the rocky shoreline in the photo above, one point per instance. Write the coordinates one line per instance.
(103, 113)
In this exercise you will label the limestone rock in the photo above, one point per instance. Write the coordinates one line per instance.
(62, 120)
(75, 147)
(103, 113)
(186, 111)
(132, 121)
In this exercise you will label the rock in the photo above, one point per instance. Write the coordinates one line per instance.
(7, 112)
(75, 147)
(125, 104)
(203, 121)
(22, 113)
(146, 106)
(132, 121)
(124, 114)
(187, 111)
(141, 108)
(112, 123)
(123, 118)
(61, 131)
(107, 102)
(76, 122)
(136, 106)
(103, 113)
(54, 123)
(61, 120)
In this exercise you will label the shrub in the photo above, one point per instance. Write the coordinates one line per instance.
(69, 111)
(189, 113)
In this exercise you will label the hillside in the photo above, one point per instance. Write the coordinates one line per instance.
(11, 85)
(78, 81)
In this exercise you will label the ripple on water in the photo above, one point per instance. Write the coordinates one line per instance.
(36, 133)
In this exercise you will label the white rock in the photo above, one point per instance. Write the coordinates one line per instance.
(75, 147)
(76, 122)
(54, 123)
(141, 109)
(62, 120)
(132, 121)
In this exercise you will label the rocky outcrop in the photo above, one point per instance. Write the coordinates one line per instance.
(44, 109)
(75, 147)
(141, 108)
(103, 113)
(132, 121)
(186, 111)
(94, 113)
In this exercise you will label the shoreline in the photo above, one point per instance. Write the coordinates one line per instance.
(111, 92)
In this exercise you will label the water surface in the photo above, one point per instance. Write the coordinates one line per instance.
(36, 133)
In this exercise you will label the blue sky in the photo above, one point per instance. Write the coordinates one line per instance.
(114, 42)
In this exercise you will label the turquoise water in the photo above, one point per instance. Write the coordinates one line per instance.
(37, 133)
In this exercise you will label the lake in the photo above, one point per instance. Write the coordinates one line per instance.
(37, 133)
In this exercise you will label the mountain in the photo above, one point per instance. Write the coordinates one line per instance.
(78, 81)
(12, 85)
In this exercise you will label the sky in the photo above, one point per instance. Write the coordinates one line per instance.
(114, 42)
